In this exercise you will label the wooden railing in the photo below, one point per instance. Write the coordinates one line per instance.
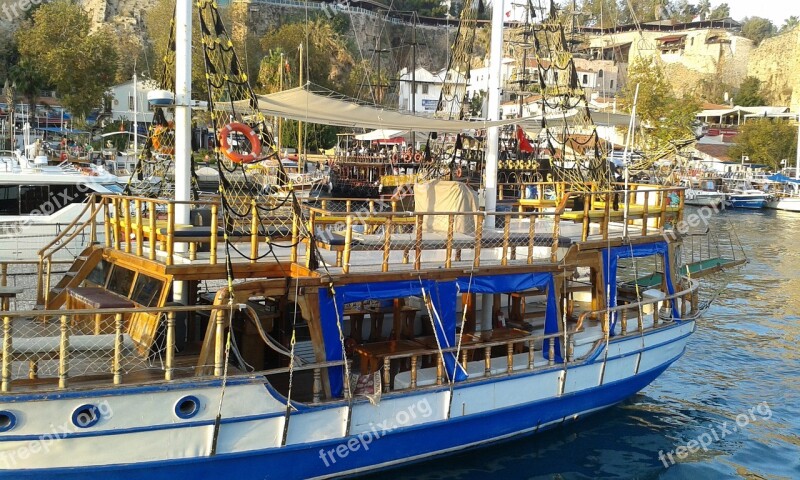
(62, 240)
(68, 347)
(686, 301)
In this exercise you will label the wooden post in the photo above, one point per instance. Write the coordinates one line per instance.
(655, 313)
(117, 367)
(213, 240)
(510, 357)
(551, 350)
(387, 243)
(151, 208)
(348, 243)
(476, 262)
(170, 233)
(8, 350)
(295, 235)
(3, 274)
(487, 361)
(93, 220)
(418, 243)
(439, 370)
(128, 226)
(530, 354)
(624, 321)
(312, 225)
(646, 210)
(139, 228)
(531, 237)
(317, 386)
(449, 246)
(387, 375)
(170, 347)
(117, 220)
(219, 344)
(464, 360)
(253, 231)
(413, 372)
(106, 222)
(63, 358)
(506, 233)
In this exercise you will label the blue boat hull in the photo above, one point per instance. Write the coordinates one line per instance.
(396, 448)
(752, 203)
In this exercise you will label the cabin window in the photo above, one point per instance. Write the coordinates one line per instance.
(98, 275)
(120, 281)
(32, 199)
(146, 291)
(425, 88)
(9, 200)
(635, 276)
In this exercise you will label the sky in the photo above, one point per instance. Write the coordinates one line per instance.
(775, 10)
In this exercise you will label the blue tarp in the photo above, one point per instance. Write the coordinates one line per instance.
(443, 298)
(779, 177)
(611, 259)
(519, 282)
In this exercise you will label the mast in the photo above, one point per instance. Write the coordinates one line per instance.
(135, 118)
(492, 138)
(414, 78)
(183, 119)
(300, 163)
(280, 119)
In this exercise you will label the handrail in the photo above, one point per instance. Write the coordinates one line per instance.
(43, 283)
(692, 291)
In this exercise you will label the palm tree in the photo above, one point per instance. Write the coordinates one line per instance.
(704, 8)
(27, 81)
(790, 23)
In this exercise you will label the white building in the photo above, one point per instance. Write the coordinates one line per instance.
(479, 77)
(428, 90)
(122, 101)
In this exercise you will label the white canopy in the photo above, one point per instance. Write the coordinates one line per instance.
(380, 135)
(325, 108)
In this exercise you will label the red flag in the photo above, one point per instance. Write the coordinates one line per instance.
(524, 145)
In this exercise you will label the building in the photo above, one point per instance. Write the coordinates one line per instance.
(479, 77)
(428, 91)
(122, 101)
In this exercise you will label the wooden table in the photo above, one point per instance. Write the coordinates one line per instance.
(6, 294)
(95, 298)
(372, 354)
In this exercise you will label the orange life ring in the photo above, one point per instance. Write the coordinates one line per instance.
(63, 156)
(251, 136)
(407, 156)
(458, 171)
(395, 157)
(160, 132)
(417, 157)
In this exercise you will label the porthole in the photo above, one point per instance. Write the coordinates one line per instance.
(86, 416)
(187, 407)
(7, 420)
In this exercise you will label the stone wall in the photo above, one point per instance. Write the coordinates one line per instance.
(776, 62)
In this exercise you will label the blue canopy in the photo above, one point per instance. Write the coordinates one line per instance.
(779, 177)
(443, 298)
(519, 282)
(611, 258)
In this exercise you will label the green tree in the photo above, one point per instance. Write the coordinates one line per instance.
(749, 94)
(599, 13)
(766, 141)
(704, 8)
(757, 29)
(720, 11)
(790, 23)
(667, 117)
(27, 81)
(327, 61)
(80, 64)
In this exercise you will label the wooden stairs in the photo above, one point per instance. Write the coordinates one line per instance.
(77, 273)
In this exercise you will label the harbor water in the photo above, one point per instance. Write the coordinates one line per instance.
(729, 408)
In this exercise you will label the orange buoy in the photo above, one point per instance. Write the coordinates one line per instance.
(249, 133)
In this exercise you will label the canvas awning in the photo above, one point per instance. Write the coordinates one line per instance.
(329, 109)
(379, 135)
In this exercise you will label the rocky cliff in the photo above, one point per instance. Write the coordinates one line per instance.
(776, 62)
